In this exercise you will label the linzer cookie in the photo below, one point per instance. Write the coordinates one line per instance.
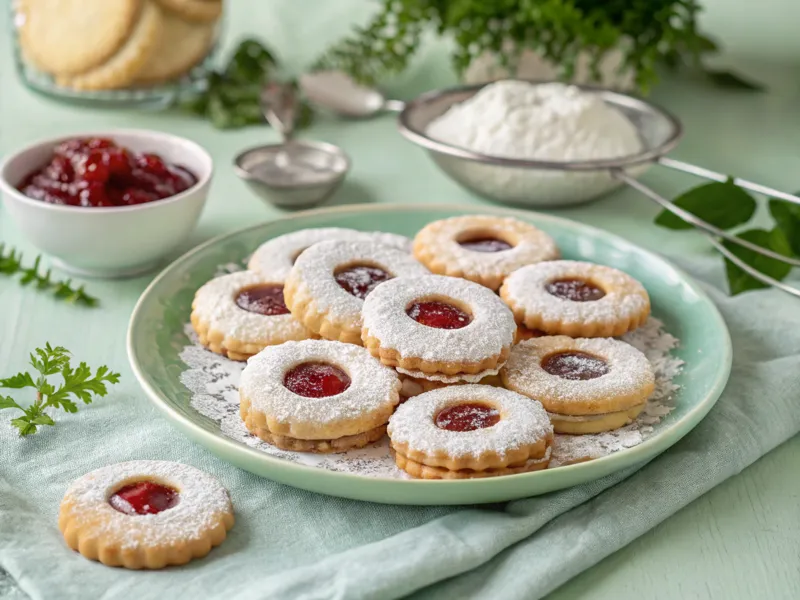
(145, 514)
(317, 396)
(327, 285)
(438, 327)
(586, 385)
(578, 299)
(240, 314)
(276, 257)
(204, 11)
(470, 431)
(414, 386)
(482, 249)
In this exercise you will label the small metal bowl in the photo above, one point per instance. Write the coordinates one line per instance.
(536, 182)
(297, 174)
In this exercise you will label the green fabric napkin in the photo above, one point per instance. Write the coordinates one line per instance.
(289, 543)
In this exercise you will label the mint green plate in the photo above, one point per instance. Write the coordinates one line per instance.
(156, 336)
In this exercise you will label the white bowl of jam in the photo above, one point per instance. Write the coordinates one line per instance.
(107, 204)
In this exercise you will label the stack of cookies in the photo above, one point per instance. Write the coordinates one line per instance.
(113, 44)
(352, 335)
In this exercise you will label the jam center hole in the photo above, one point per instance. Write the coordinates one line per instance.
(467, 417)
(263, 299)
(316, 380)
(144, 498)
(360, 280)
(575, 365)
(438, 315)
(576, 290)
(486, 244)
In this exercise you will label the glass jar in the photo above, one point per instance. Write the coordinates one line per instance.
(161, 95)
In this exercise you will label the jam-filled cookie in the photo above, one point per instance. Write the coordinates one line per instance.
(470, 431)
(145, 514)
(327, 285)
(317, 396)
(586, 385)
(276, 257)
(437, 326)
(240, 314)
(578, 299)
(482, 249)
(414, 386)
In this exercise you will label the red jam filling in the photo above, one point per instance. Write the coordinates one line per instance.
(486, 245)
(316, 380)
(467, 417)
(264, 300)
(96, 172)
(360, 280)
(144, 498)
(575, 290)
(438, 315)
(575, 365)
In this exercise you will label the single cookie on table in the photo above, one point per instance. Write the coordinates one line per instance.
(67, 37)
(438, 327)
(470, 431)
(121, 69)
(586, 385)
(203, 11)
(326, 287)
(240, 314)
(482, 249)
(578, 299)
(276, 257)
(317, 396)
(145, 514)
(181, 45)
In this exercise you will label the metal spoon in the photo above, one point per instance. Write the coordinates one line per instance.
(340, 94)
(294, 173)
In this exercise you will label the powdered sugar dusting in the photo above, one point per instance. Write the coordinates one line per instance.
(213, 381)
(202, 499)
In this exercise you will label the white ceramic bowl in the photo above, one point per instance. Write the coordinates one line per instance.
(109, 242)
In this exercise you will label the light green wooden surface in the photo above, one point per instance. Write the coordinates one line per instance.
(742, 540)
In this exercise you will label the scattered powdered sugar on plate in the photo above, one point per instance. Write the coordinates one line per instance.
(213, 381)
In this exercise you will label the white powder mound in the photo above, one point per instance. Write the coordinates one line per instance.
(214, 380)
(552, 121)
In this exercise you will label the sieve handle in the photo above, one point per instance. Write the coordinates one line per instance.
(678, 165)
(714, 233)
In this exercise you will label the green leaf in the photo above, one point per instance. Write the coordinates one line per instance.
(24, 425)
(8, 402)
(787, 218)
(731, 80)
(724, 205)
(738, 280)
(43, 419)
(18, 381)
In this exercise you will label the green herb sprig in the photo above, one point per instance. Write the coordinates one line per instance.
(77, 384)
(647, 32)
(729, 207)
(11, 264)
(231, 98)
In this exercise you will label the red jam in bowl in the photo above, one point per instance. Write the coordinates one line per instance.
(96, 172)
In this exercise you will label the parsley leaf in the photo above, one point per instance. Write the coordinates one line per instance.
(77, 384)
(775, 239)
(724, 205)
(787, 218)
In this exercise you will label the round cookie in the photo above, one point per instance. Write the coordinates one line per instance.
(66, 37)
(481, 248)
(145, 514)
(204, 11)
(121, 69)
(182, 44)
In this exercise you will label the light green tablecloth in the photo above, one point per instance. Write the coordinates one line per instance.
(288, 543)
